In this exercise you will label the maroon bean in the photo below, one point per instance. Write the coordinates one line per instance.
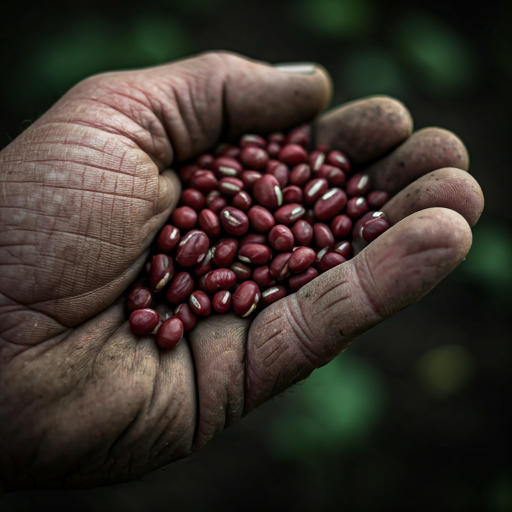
(223, 148)
(234, 221)
(193, 198)
(200, 303)
(281, 173)
(261, 219)
(209, 223)
(221, 301)
(246, 298)
(358, 185)
(272, 295)
(358, 225)
(184, 217)
(377, 199)
(271, 165)
(192, 248)
(201, 283)
(374, 228)
(316, 160)
(254, 238)
(204, 181)
(139, 298)
(205, 161)
(300, 175)
(297, 281)
(254, 157)
(299, 136)
(218, 204)
(188, 318)
(341, 226)
(289, 213)
(224, 166)
(187, 172)
(334, 175)
(230, 186)
(276, 137)
(345, 249)
(143, 321)
(206, 265)
(250, 139)
(249, 178)
(327, 259)
(302, 232)
(219, 279)
(262, 277)
(231, 152)
(279, 266)
(162, 270)
(301, 259)
(323, 236)
(242, 272)
(181, 287)
(315, 189)
(292, 194)
(330, 204)
(225, 252)
(255, 253)
(242, 201)
(293, 154)
(324, 148)
(267, 192)
(339, 159)
(281, 238)
(170, 333)
(356, 207)
(273, 149)
(168, 238)
(213, 194)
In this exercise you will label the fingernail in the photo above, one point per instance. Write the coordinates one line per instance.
(297, 68)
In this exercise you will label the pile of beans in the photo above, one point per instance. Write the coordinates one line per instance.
(256, 222)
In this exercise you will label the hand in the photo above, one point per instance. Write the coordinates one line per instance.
(84, 191)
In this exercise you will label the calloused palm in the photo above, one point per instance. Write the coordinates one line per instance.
(84, 191)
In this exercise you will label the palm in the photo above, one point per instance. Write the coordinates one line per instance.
(109, 406)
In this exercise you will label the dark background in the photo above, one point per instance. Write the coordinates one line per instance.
(414, 415)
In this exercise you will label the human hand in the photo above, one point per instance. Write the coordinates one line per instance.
(85, 189)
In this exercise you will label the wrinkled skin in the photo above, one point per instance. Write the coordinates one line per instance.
(85, 189)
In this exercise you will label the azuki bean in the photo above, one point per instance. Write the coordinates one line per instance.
(219, 279)
(242, 201)
(200, 303)
(225, 252)
(204, 181)
(225, 166)
(267, 192)
(143, 321)
(356, 207)
(184, 217)
(234, 221)
(301, 259)
(272, 295)
(209, 223)
(254, 157)
(330, 204)
(162, 270)
(299, 280)
(243, 272)
(314, 189)
(181, 287)
(300, 175)
(279, 266)
(281, 238)
(341, 226)
(184, 313)
(262, 277)
(170, 333)
(323, 235)
(221, 301)
(358, 185)
(292, 194)
(246, 298)
(139, 298)
(193, 198)
(168, 238)
(293, 154)
(302, 232)
(377, 199)
(261, 219)
(255, 253)
(339, 159)
(192, 248)
(289, 213)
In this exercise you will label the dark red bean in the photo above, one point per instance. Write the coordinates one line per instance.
(341, 226)
(273, 149)
(213, 194)
(345, 249)
(224, 166)
(209, 223)
(267, 192)
(242, 272)
(170, 333)
(204, 181)
(374, 228)
(200, 303)
(262, 277)
(192, 248)
(201, 284)
(230, 186)
(139, 298)
(254, 238)
(302, 232)
(205, 161)
(218, 204)
(293, 154)
(339, 159)
(249, 178)
(330, 204)
(187, 172)
(234, 221)
(324, 148)
(272, 295)
(356, 207)
(323, 236)
(301, 259)
(289, 213)
(279, 266)
(246, 298)
(281, 173)
(250, 139)
(228, 150)
(276, 137)
(225, 252)
(181, 287)
(242, 201)
(299, 136)
(316, 160)
(377, 199)
(300, 175)
(327, 259)
(261, 219)
(207, 264)
(334, 176)
(292, 194)
(162, 270)
(184, 313)
(254, 157)
(193, 198)
(358, 185)
(281, 238)
(221, 301)
(184, 217)
(255, 253)
(315, 189)
(168, 238)
(297, 281)
(219, 279)
(143, 321)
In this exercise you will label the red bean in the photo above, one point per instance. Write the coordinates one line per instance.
(299, 136)
(228, 150)
(213, 194)
(204, 181)
(249, 178)
(345, 249)
(324, 148)
(272, 295)
(242, 201)
(330, 204)
(170, 333)
(219, 279)
(193, 198)
(339, 159)
(301, 259)
(327, 259)
(296, 282)
(221, 301)
(200, 303)
(279, 266)
(139, 298)
(334, 176)
(184, 217)
(315, 189)
(292, 194)
(273, 149)
(143, 321)
(255, 253)
(302, 232)
(261, 219)
(205, 161)
(225, 252)
(289, 213)
(209, 223)
(276, 137)
(192, 248)
(234, 221)
(224, 166)
(377, 199)
(267, 192)
(246, 298)
(254, 238)
(250, 139)
(218, 204)
(168, 238)
(341, 226)
(188, 318)
(281, 238)
(323, 236)
(316, 160)
(356, 207)
(262, 277)
(374, 228)
(187, 172)
(358, 185)
(205, 265)
(281, 173)
(293, 154)
(242, 272)
(230, 186)
(181, 287)
(254, 157)
(162, 270)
